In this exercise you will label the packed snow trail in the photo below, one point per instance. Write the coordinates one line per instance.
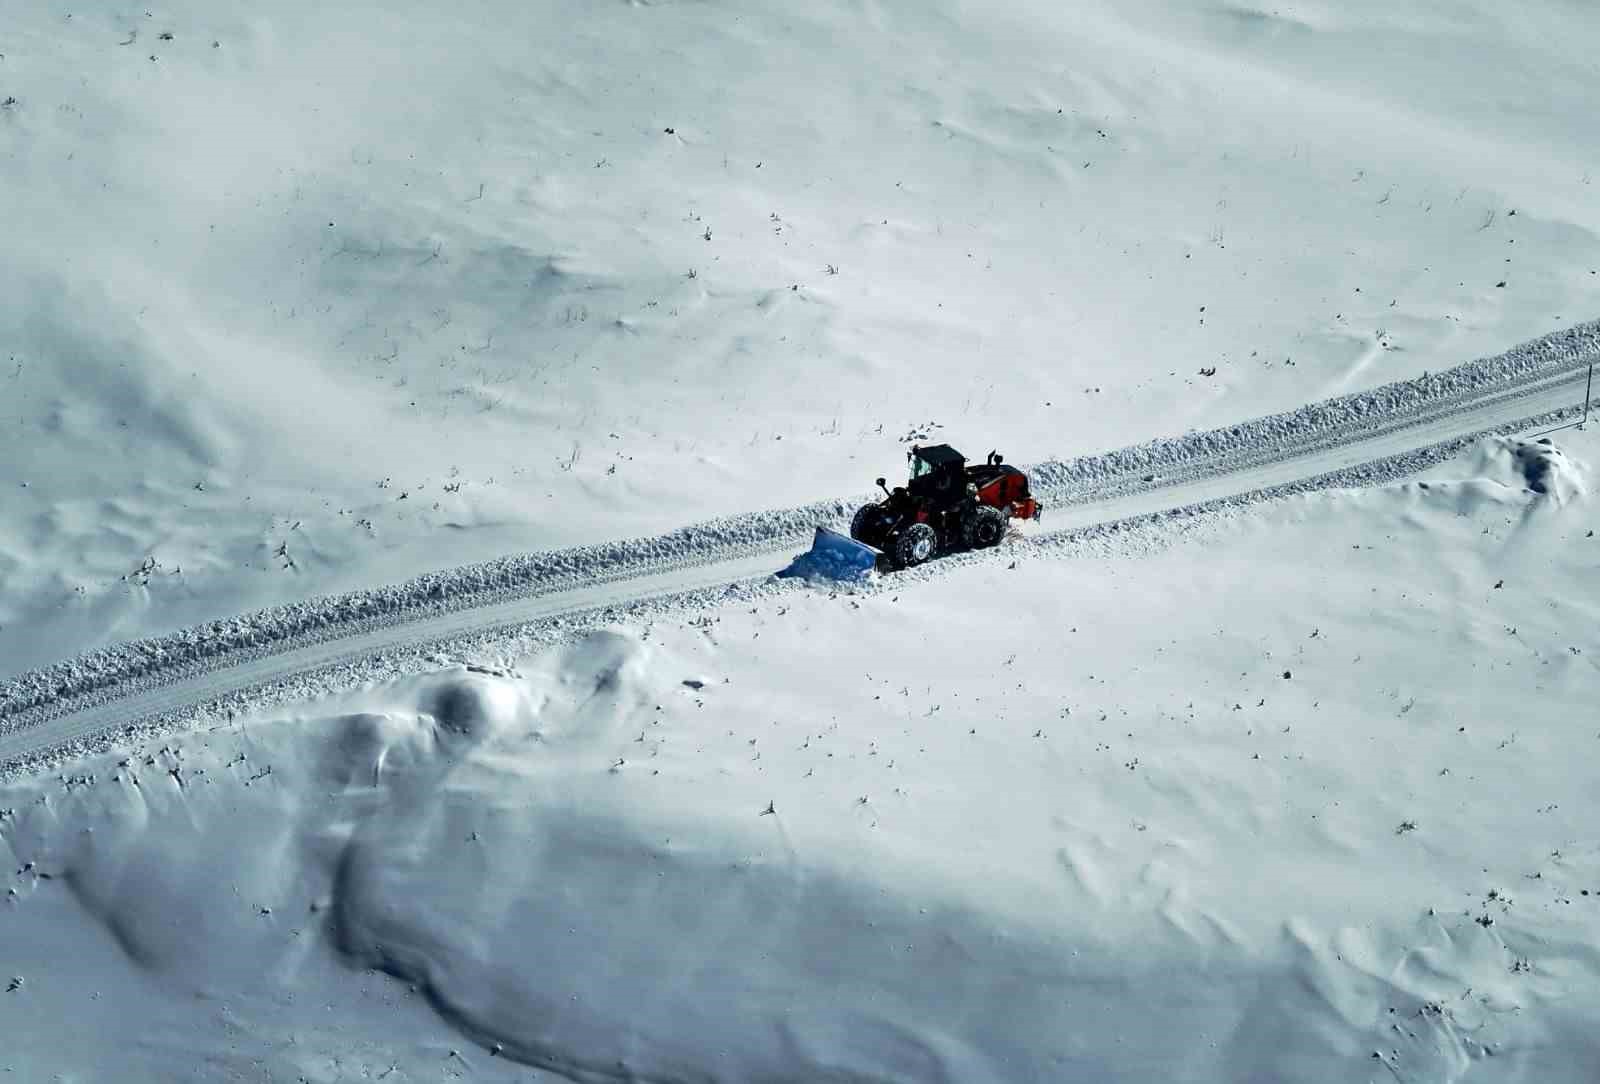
(1372, 437)
(1387, 448)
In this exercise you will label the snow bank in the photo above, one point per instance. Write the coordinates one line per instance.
(1344, 416)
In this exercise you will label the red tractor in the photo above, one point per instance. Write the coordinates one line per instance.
(947, 505)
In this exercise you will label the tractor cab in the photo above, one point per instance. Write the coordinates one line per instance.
(938, 472)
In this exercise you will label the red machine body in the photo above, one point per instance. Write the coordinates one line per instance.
(947, 505)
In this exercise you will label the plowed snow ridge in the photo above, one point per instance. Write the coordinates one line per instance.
(1363, 438)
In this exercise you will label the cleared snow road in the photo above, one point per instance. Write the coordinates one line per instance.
(1508, 411)
(1392, 441)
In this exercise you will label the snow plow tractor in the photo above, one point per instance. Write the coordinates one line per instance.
(946, 505)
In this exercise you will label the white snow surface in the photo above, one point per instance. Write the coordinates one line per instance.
(320, 319)
(1287, 795)
(304, 301)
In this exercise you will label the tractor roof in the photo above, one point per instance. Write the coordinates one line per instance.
(938, 455)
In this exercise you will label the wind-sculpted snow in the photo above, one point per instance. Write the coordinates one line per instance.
(541, 859)
(73, 684)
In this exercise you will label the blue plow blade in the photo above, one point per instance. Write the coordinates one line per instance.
(833, 556)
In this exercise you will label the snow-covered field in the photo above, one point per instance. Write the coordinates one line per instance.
(323, 296)
(315, 299)
(1295, 795)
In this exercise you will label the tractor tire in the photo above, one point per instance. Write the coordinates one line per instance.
(985, 527)
(915, 545)
(863, 525)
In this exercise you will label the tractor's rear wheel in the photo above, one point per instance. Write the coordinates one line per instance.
(915, 545)
(864, 524)
(985, 527)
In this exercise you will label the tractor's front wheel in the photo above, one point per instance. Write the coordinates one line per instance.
(984, 528)
(915, 545)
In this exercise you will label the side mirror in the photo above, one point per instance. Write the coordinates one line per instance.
(883, 486)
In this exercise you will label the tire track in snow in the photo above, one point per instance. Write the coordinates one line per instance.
(1358, 439)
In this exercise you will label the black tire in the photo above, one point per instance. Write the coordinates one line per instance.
(985, 527)
(915, 545)
(864, 524)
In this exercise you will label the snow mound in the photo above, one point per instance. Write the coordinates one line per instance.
(475, 705)
(367, 745)
(1532, 466)
(1548, 472)
(1502, 472)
